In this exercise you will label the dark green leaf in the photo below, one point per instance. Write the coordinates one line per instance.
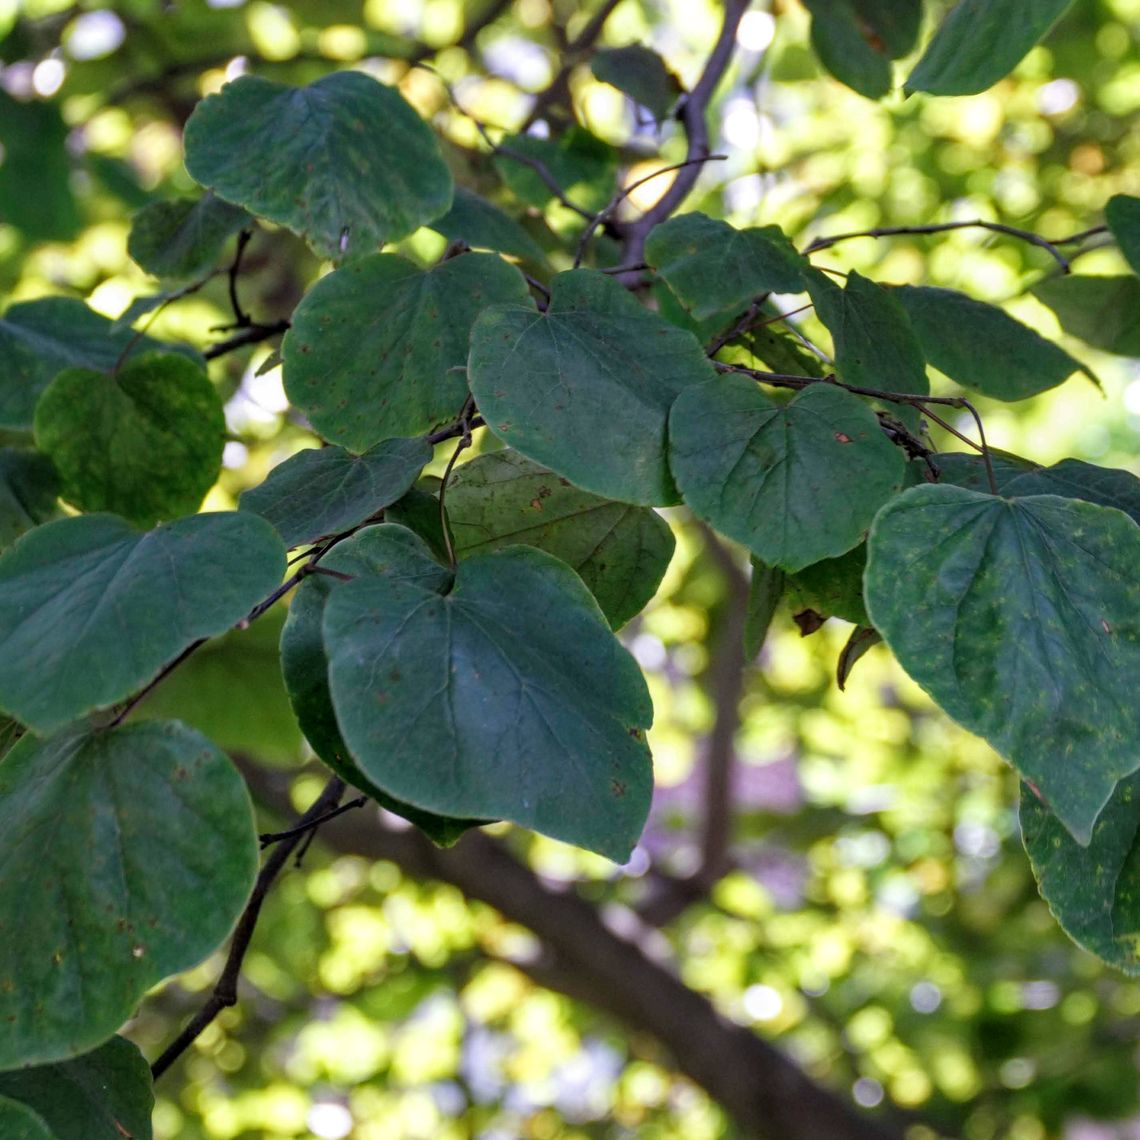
(345, 162)
(894, 23)
(980, 42)
(508, 697)
(323, 491)
(585, 388)
(29, 486)
(377, 348)
(832, 588)
(968, 469)
(875, 345)
(1102, 311)
(781, 352)
(127, 856)
(982, 347)
(863, 637)
(19, 1122)
(717, 270)
(144, 442)
(231, 691)
(621, 552)
(387, 551)
(796, 483)
(1123, 216)
(484, 226)
(418, 510)
(582, 166)
(103, 1095)
(35, 175)
(849, 47)
(640, 73)
(91, 609)
(1093, 891)
(764, 592)
(183, 238)
(38, 339)
(1021, 618)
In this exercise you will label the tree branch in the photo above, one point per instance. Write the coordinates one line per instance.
(225, 989)
(767, 1094)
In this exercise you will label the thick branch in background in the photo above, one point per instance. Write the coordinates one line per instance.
(767, 1094)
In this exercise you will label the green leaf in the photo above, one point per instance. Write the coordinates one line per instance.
(144, 442)
(418, 510)
(324, 491)
(185, 237)
(1123, 216)
(765, 589)
(484, 226)
(377, 348)
(621, 552)
(875, 345)
(582, 166)
(29, 487)
(38, 339)
(385, 551)
(1101, 311)
(104, 1095)
(896, 23)
(849, 48)
(35, 176)
(980, 42)
(585, 388)
(782, 352)
(796, 483)
(717, 270)
(127, 857)
(1016, 362)
(509, 697)
(19, 1122)
(91, 609)
(1093, 891)
(231, 691)
(1021, 618)
(345, 162)
(832, 587)
(863, 637)
(640, 73)
(1071, 479)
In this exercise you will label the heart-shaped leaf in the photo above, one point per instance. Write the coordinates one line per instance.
(585, 388)
(1021, 618)
(1016, 362)
(345, 162)
(126, 857)
(796, 483)
(387, 551)
(91, 609)
(29, 486)
(184, 237)
(323, 491)
(507, 698)
(104, 1095)
(378, 348)
(144, 442)
(621, 552)
(980, 42)
(717, 270)
(38, 339)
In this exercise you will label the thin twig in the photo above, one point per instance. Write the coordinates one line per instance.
(224, 993)
(976, 223)
(255, 334)
(268, 838)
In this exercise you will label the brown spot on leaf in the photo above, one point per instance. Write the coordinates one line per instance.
(842, 438)
(617, 788)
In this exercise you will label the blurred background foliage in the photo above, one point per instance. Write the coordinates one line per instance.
(864, 902)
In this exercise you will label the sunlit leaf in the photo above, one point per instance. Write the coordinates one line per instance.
(796, 483)
(345, 161)
(323, 491)
(640, 73)
(144, 442)
(585, 388)
(106, 883)
(377, 348)
(620, 551)
(581, 166)
(91, 609)
(1021, 618)
(508, 697)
